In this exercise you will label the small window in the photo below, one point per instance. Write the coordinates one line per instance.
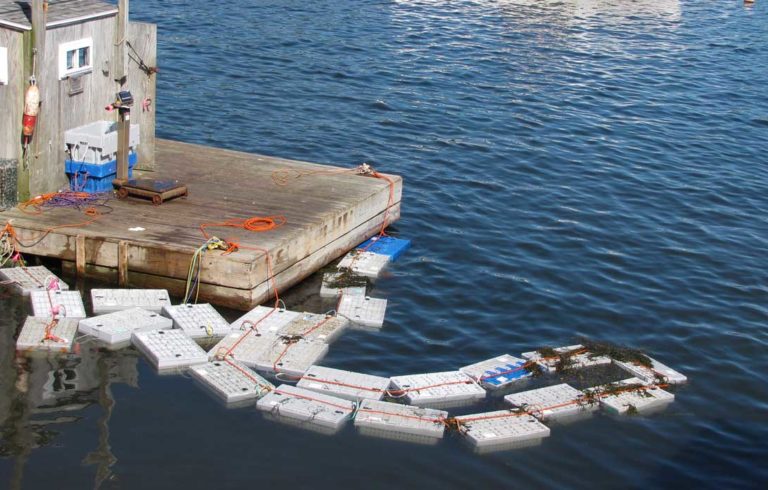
(75, 57)
(3, 66)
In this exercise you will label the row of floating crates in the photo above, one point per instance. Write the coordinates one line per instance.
(286, 343)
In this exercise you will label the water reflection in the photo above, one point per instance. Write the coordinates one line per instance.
(40, 393)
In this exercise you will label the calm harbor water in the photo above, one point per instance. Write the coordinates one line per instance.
(573, 168)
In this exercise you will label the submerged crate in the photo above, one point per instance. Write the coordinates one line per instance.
(65, 304)
(363, 310)
(400, 422)
(632, 396)
(386, 245)
(552, 402)
(95, 177)
(111, 300)
(247, 346)
(307, 407)
(364, 263)
(438, 390)
(28, 279)
(33, 334)
(503, 429)
(657, 373)
(231, 381)
(199, 321)
(265, 319)
(577, 355)
(498, 372)
(291, 358)
(344, 384)
(116, 328)
(327, 290)
(169, 349)
(314, 327)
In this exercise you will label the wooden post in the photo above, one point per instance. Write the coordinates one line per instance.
(80, 256)
(39, 16)
(123, 140)
(122, 263)
(120, 68)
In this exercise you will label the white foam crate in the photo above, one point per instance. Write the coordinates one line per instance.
(498, 372)
(69, 303)
(111, 300)
(32, 335)
(28, 279)
(198, 321)
(265, 319)
(578, 361)
(294, 361)
(307, 407)
(438, 390)
(316, 327)
(552, 402)
(503, 429)
(169, 349)
(326, 291)
(231, 381)
(400, 422)
(247, 346)
(649, 399)
(363, 310)
(96, 142)
(344, 384)
(366, 264)
(655, 374)
(116, 328)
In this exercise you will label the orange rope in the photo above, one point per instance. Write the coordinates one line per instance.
(248, 375)
(577, 401)
(254, 224)
(403, 415)
(303, 397)
(49, 331)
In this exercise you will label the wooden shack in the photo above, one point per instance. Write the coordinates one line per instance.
(81, 53)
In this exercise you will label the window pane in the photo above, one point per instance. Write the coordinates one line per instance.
(84, 57)
(70, 59)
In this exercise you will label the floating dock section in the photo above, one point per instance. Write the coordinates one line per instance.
(328, 211)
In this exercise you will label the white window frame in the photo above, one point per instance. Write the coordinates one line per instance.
(75, 46)
(3, 66)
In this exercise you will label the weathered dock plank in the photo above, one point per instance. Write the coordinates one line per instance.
(326, 215)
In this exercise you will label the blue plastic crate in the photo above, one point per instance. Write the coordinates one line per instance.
(97, 169)
(501, 374)
(91, 177)
(386, 245)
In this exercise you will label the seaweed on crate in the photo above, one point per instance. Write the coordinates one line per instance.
(616, 352)
(345, 278)
(594, 395)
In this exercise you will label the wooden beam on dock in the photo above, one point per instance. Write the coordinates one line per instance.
(122, 263)
(80, 256)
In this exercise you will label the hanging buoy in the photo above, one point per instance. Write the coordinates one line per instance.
(31, 110)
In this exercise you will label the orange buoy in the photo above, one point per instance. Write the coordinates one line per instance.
(31, 110)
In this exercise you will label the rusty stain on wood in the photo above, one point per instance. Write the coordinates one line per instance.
(122, 263)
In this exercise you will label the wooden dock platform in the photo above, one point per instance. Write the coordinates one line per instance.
(141, 245)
